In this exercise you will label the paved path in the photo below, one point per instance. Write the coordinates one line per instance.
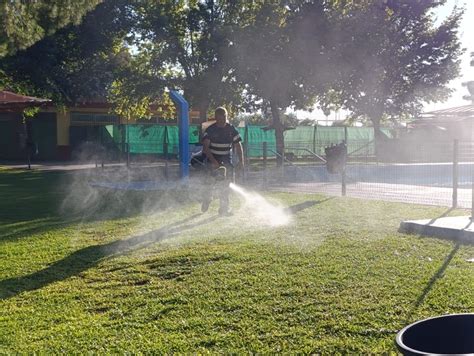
(72, 166)
(413, 194)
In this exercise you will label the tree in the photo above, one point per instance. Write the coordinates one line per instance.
(470, 84)
(75, 63)
(389, 66)
(22, 23)
(190, 40)
(272, 61)
(250, 119)
(289, 120)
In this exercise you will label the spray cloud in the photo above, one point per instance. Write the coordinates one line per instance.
(262, 210)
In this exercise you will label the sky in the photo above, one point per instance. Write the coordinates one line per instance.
(466, 33)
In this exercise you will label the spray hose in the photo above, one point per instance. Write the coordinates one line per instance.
(220, 173)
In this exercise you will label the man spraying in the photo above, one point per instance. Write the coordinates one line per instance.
(219, 140)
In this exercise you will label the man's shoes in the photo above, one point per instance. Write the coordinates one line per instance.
(225, 212)
(205, 205)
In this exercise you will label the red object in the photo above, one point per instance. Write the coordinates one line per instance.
(13, 102)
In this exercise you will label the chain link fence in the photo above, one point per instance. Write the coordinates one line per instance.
(402, 170)
(434, 173)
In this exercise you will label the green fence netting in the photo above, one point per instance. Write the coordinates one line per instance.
(173, 137)
(360, 141)
(150, 139)
(254, 139)
(301, 141)
(326, 136)
(145, 139)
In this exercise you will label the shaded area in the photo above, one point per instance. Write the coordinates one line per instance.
(29, 195)
(90, 256)
(34, 202)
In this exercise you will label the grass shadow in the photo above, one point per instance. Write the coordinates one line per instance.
(16, 231)
(90, 256)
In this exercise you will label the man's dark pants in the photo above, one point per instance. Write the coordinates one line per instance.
(215, 179)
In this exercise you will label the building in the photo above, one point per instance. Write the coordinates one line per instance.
(446, 124)
(15, 131)
(56, 132)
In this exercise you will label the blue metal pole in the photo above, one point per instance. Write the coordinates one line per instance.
(183, 124)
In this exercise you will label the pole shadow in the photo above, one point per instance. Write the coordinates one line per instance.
(438, 275)
(446, 213)
(305, 205)
(90, 256)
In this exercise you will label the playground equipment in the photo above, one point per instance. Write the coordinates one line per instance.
(183, 124)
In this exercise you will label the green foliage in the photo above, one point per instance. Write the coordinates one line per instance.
(339, 280)
(128, 106)
(76, 63)
(134, 105)
(190, 40)
(245, 55)
(23, 23)
(250, 119)
(30, 112)
(278, 58)
(389, 66)
(288, 120)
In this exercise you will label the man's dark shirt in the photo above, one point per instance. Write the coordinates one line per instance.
(221, 141)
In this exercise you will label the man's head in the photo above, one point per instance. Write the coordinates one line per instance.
(221, 116)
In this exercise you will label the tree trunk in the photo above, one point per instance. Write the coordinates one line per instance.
(203, 108)
(279, 129)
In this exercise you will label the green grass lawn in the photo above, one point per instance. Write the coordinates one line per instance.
(338, 279)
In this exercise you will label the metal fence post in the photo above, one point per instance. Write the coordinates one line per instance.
(246, 163)
(165, 151)
(264, 154)
(283, 165)
(122, 142)
(472, 199)
(455, 173)
(128, 154)
(343, 182)
(246, 146)
(314, 137)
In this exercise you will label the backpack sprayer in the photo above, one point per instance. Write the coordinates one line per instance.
(198, 161)
(220, 173)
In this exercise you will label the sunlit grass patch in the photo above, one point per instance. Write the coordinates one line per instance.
(339, 278)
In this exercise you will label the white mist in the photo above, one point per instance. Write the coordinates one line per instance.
(260, 210)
